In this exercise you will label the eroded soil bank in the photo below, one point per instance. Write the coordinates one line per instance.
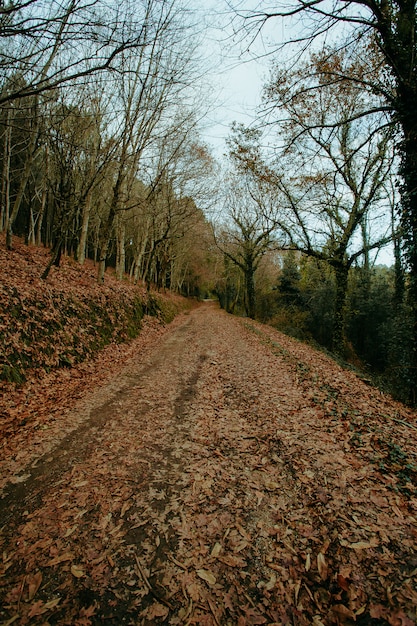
(226, 475)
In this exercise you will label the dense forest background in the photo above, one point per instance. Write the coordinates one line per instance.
(103, 156)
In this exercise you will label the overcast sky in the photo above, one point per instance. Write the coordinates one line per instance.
(236, 81)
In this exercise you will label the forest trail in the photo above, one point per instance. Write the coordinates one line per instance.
(228, 475)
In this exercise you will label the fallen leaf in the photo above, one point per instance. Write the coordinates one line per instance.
(322, 566)
(36, 609)
(377, 611)
(363, 545)
(157, 610)
(342, 611)
(206, 575)
(240, 546)
(67, 556)
(34, 584)
(217, 548)
(342, 582)
(52, 603)
(297, 590)
(19, 479)
(270, 485)
(126, 506)
(77, 571)
(69, 531)
(193, 591)
(88, 611)
(233, 561)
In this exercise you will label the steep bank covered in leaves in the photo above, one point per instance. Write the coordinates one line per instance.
(60, 335)
(68, 318)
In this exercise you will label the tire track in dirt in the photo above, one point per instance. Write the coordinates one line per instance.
(95, 480)
(75, 447)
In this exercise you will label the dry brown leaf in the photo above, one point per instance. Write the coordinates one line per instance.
(157, 610)
(34, 583)
(234, 561)
(71, 530)
(11, 621)
(37, 608)
(342, 582)
(322, 566)
(217, 549)
(77, 571)
(67, 556)
(297, 590)
(206, 575)
(240, 546)
(126, 506)
(52, 603)
(360, 545)
(343, 612)
(19, 479)
(270, 485)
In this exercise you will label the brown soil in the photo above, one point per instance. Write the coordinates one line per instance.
(224, 475)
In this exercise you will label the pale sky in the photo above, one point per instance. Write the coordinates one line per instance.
(236, 81)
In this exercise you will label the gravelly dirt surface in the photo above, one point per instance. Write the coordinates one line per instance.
(227, 475)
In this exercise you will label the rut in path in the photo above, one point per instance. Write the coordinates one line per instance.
(217, 483)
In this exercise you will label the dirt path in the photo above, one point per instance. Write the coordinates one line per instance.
(228, 476)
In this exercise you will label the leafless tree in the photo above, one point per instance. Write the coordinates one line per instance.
(332, 175)
(50, 44)
(249, 228)
(151, 85)
(390, 28)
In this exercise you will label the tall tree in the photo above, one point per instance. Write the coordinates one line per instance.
(148, 91)
(250, 231)
(393, 25)
(331, 174)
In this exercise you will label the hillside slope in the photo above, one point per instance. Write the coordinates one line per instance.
(58, 336)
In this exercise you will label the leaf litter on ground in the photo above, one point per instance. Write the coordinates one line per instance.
(222, 474)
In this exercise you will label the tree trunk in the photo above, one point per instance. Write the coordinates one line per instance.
(31, 237)
(139, 260)
(41, 214)
(5, 184)
(107, 229)
(104, 249)
(250, 288)
(85, 219)
(338, 335)
(120, 249)
(55, 259)
(409, 223)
